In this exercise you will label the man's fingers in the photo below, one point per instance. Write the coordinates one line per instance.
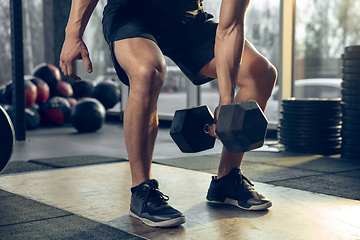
(63, 68)
(87, 62)
(211, 130)
(75, 77)
(68, 70)
(70, 53)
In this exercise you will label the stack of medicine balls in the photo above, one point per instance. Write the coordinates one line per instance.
(311, 126)
(350, 90)
(51, 101)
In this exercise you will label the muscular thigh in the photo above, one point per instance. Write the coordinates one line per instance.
(138, 56)
(252, 63)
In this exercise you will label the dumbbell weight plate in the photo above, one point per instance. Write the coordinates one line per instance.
(351, 63)
(349, 120)
(312, 129)
(311, 108)
(187, 129)
(312, 112)
(351, 99)
(351, 55)
(350, 106)
(350, 91)
(7, 138)
(311, 116)
(311, 142)
(351, 70)
(314, 121)
(351, 84)
(351, 142)
(351, 127)
(350, 148)
(309, 136)
(326, 121)
(311, 103)
(307, 143)
(351, 113)
(241, 126)
(353, 48)
(322, 122)
(350, 134)
(350, 77)
(318, 130)
(306, 131)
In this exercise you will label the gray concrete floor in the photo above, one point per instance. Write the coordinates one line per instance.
(108, 141)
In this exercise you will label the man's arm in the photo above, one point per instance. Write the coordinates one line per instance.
(229, 46)
(74, 48)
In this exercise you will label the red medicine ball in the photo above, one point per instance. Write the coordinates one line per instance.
(43, 90)
(50, 74)
(30, 93)
(56, 111)
(64, 89)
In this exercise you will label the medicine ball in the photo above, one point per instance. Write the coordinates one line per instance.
(50, 74)
(36, 107)
(6, 93)
(108, 93)
(32, 117)
(30, 92)
(2, 92)
(88, 115)
(63, 89)
(56, 111)
(43, 90)
(72, 101)
(83, 88)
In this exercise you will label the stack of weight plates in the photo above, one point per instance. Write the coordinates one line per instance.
(311, 126)
(351, 103)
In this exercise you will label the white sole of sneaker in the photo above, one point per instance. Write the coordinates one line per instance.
(169, 223)
(235, 203)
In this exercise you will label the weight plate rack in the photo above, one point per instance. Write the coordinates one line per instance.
(311, 126)
(350, 103)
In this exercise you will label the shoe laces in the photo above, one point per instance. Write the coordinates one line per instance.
(155, 197)
(240, 178)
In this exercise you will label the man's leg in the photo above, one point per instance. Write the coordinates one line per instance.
(256, 80)
(144, 64)
(257, 77)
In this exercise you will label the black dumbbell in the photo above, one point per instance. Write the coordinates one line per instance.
(241, 127)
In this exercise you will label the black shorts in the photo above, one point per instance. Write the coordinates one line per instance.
(190, 46)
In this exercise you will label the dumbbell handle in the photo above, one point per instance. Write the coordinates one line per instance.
(207, 128)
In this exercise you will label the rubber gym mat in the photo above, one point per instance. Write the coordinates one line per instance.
(58, 162)
(22, 218)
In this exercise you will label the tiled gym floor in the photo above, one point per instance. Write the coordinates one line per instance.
(314, 197)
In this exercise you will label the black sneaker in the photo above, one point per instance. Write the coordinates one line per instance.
(237, 190)
(150, 206)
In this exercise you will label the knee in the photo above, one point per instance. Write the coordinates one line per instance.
(147, 79)
(265, 75)
(271, 76)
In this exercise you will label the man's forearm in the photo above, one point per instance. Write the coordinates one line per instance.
(229, 46)
(80, 13)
